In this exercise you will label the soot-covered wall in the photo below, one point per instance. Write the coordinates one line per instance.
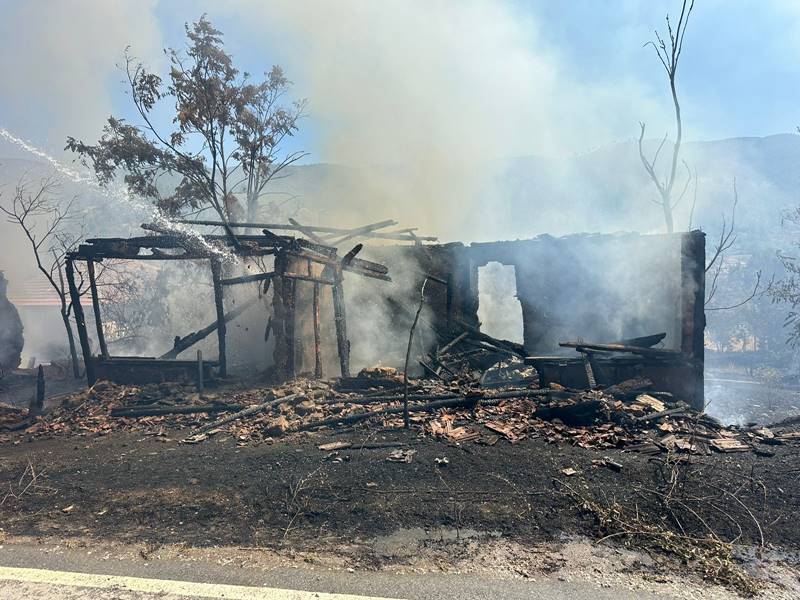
(594, 288)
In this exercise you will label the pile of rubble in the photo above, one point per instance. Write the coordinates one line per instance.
(628, 415)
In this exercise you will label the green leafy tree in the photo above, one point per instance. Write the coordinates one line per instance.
(225, 139)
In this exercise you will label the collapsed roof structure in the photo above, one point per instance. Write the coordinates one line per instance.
(607, 299)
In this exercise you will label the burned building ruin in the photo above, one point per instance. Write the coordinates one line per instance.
(595, 309)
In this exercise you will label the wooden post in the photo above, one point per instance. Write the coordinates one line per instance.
(80, 323)
(317, 350)
(216, 276)
(37, 403)
(101, 338)
(692, 310)
(290, 308)
(278, 329)
(340, 320)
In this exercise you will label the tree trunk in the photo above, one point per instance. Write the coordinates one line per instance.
(73, 352)
(668, 214)
(252, 210)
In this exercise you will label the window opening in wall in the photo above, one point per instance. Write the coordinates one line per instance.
(499, 309)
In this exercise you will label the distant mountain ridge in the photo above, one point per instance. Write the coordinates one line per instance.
(602, 190)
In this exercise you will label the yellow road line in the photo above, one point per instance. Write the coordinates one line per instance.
(166, 586)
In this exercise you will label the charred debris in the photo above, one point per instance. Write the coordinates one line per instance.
(641, 393)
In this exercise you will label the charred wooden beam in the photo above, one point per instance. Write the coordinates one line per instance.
(317, 336)
(278, 321)
(37, 402)
(101, 338)
(216, 276)
(506, 345)
(401, 235)
(350, 256)
(355, 265)
(290, 308)
(153, 411)
(654, 352)
(247, 412)
(191, 339)
(80, 323)
(247, 278)
(314, 280)
(647, 341)
(308, 232)
(340, 321)
(693, 318)
(363, 231)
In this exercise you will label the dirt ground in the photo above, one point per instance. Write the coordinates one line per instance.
(153, 490)
(18, 387)
(98, 480)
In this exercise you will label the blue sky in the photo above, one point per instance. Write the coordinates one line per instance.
(740, 73)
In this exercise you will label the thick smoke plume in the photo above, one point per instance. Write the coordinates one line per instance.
(432, 98)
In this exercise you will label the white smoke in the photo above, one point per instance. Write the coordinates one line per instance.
(444, 88)
(58, 63)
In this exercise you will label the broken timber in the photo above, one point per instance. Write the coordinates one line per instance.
(402, 235)
(296, 259)
(216, 277)
(191, 339)
(654, 352)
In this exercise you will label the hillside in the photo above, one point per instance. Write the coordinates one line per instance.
(602, 190)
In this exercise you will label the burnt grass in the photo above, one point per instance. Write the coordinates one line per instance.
(137, 488)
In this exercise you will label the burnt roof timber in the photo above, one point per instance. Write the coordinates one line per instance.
(129, 248)
(401, 234)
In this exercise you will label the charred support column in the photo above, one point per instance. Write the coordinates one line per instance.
(693, 317)
(317, 340)
(340, 321)
(37, 402)
(216, 276)
(281, 301)
(290, 308)
(98, 320)
(278, 329)
(80, 323)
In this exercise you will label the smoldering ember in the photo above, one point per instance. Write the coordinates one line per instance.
(455, 360)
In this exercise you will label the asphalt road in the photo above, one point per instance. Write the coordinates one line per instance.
(63, 575)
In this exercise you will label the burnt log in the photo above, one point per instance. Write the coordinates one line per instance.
(186, 342)
(216, 276)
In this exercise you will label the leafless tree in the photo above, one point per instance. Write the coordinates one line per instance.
(43, 220)
(716, 264)
(669, 53)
